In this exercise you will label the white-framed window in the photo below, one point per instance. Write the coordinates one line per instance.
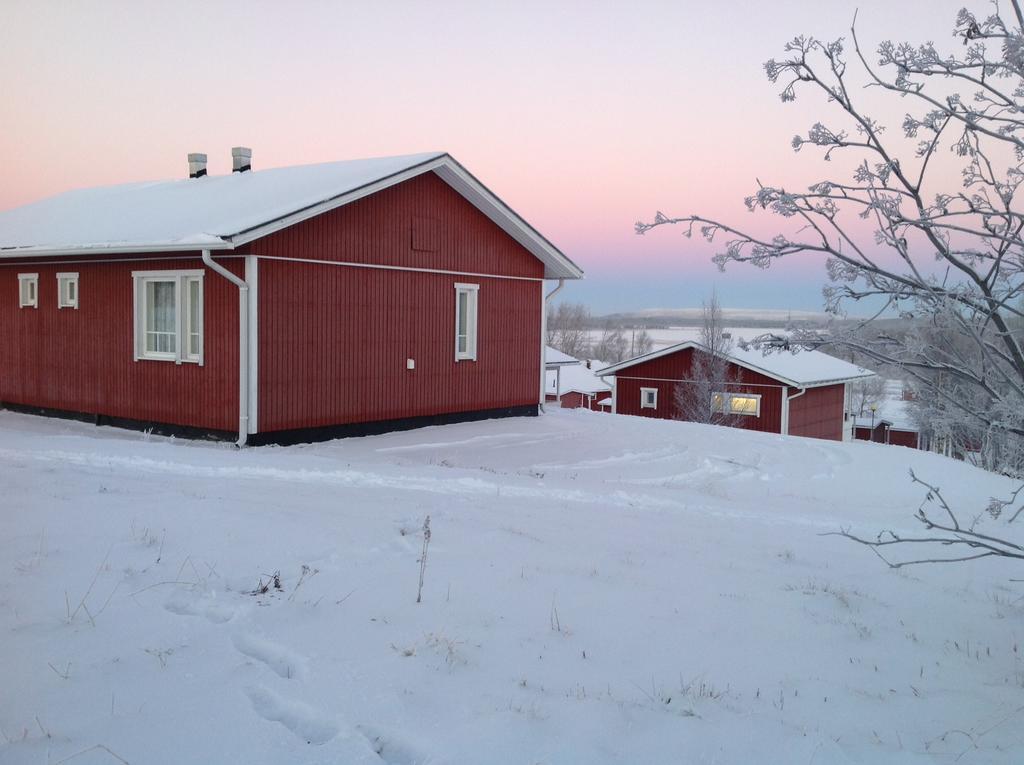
(169, 316)
(67, 290)
(736, 403)
(466, 321)
(648, 398)
(28, 290)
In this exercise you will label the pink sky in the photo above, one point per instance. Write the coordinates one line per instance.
(583, 116)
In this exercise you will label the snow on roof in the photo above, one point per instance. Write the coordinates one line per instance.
(576, 378)
(802, 369)
(555, 358)
(225, 211)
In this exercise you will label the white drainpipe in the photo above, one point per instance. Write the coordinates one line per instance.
(544, 343)
(243, 345)
(786, 398)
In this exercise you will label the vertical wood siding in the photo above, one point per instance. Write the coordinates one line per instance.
(818, 413)
(83, 360)
(334, 344)
(908, 438)
(576, 400)
(666, 372)
(334, 340)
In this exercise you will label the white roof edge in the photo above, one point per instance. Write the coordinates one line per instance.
(752, 367)
(120, 249)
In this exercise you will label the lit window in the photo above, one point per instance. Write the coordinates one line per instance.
(466, 321)
(648, 398)
(28, 290)
(736, 403)
(67, 290)
(169, 316)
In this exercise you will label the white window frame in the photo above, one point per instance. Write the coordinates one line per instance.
(644, 404)
(66, 283)
(31, 281)
(472, 292)
(727, 398)
(182, 353)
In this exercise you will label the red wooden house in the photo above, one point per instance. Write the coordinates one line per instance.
(280, 305)
(800, 394)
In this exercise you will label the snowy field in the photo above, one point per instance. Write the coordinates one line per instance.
(598, 589)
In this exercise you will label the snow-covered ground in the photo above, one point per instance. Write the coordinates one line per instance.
(598, 589)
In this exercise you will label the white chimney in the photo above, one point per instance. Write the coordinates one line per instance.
(241, 159)
(196, 165)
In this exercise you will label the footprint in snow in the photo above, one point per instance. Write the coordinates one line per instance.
(285, 662)
(304, 721)
(390, 748)
(184, 605)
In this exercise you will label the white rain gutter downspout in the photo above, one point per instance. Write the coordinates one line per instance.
(786, 398)
(544, 343)
(243, 345)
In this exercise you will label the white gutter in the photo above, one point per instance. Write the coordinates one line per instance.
(544, 343)
(243, 345)
(786, 398)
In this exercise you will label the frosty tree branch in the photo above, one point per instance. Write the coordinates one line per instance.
(950, 533)
(950, 260)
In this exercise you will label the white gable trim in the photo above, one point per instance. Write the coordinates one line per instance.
(614, 368)
(556, 265)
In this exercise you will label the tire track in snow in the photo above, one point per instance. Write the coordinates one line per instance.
(357, 479)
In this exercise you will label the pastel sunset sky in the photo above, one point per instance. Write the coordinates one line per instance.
(584, 117)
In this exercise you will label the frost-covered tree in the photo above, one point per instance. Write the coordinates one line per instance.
(710, 372)
(865, 392)
(568, 329)
(640, 342)
(613, 346)
(895, 231)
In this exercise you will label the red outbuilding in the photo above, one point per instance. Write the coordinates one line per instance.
(801, 394)
(278, 305)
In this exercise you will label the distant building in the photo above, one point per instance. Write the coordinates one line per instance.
(887, 421)
(577, 386)
(800, 394)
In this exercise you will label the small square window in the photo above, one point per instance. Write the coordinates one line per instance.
(466, 321)
(67, 290)
(648, 398)
(28, 290)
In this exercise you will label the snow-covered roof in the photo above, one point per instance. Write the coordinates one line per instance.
(803, 369)
(578, 379)
(225, 211)
(555, 358)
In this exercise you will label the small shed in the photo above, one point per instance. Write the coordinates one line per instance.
(576, 387)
